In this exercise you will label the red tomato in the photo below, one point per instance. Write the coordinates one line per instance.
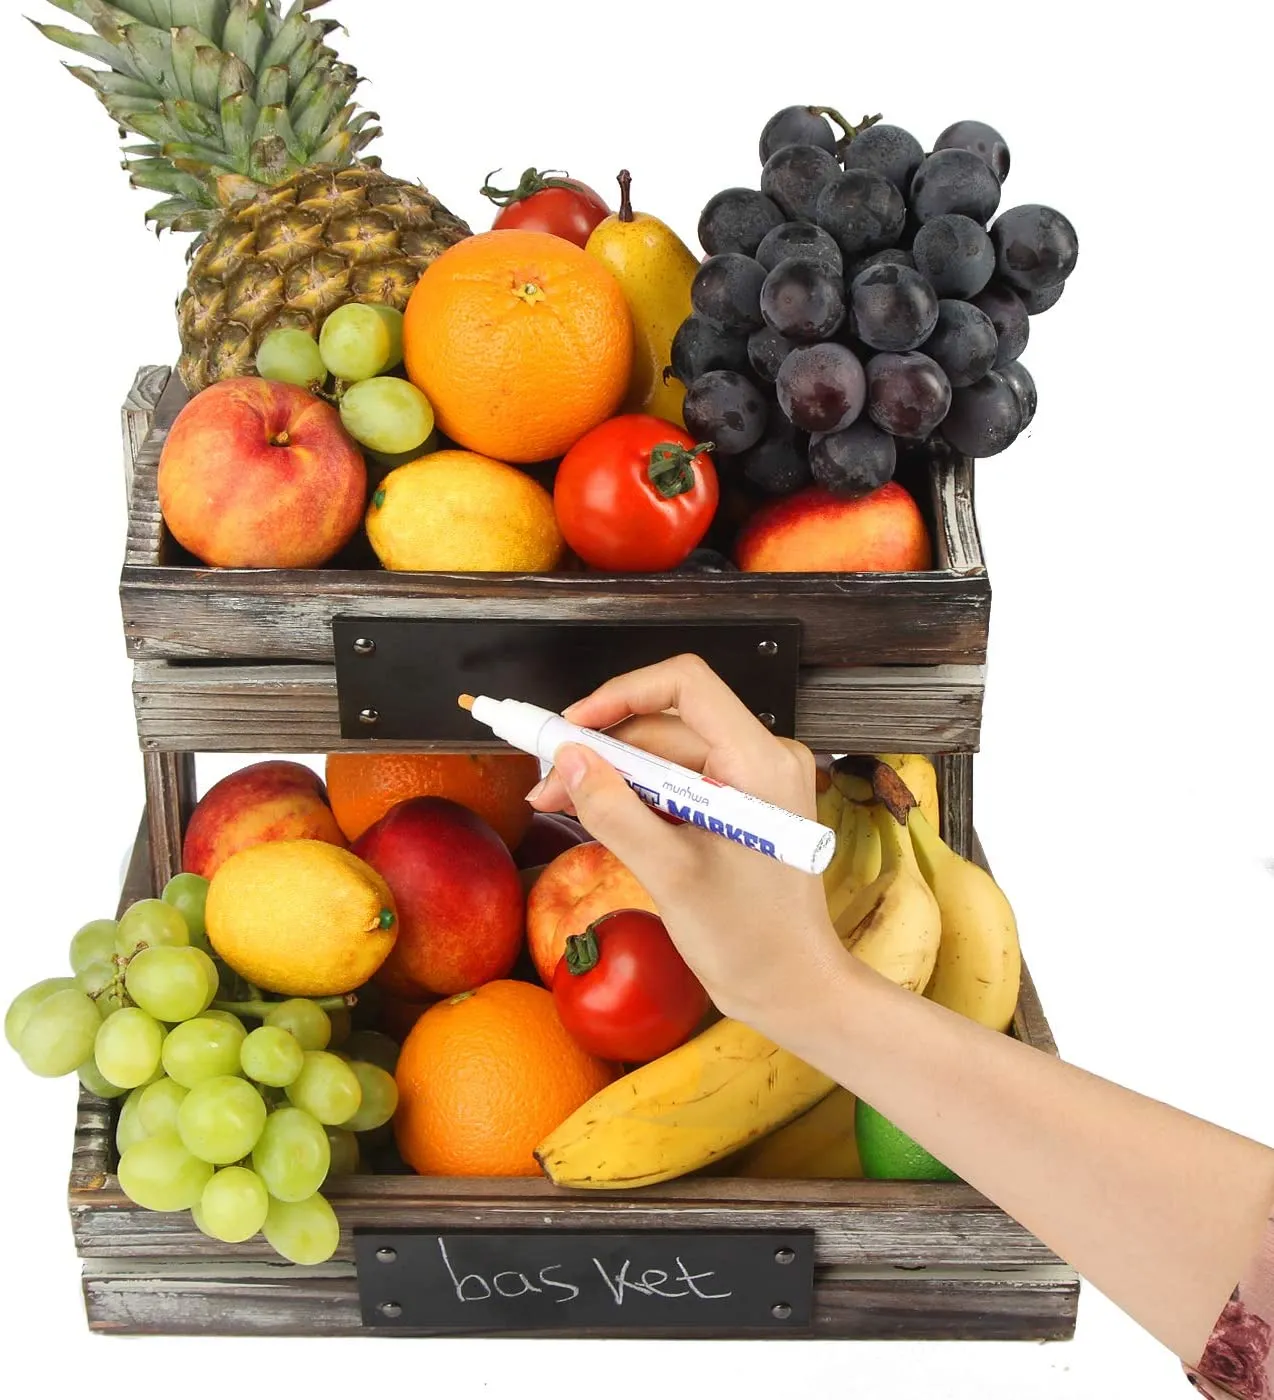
(548, 202)
(635, 495)
(623, 991)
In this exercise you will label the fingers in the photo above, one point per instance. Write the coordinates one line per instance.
(687, 685)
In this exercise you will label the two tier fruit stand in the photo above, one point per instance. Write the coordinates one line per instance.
(351, 657)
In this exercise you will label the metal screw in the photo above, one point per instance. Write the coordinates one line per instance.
(395, 1309)
(768, 648)
(785, 1256)
(364, 646)
(386, 1255)
(369, 717)
(780, 1310)
(767, 719)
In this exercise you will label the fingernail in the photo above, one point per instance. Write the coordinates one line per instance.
(571, 762)
(536, 790)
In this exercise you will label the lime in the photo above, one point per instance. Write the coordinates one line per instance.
(888, 1154)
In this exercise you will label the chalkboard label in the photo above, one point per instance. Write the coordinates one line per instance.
(551, 1281)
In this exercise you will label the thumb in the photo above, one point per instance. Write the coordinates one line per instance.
(611, 812)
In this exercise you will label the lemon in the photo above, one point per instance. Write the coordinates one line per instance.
(458, 512)
(888, 1154)
(304, 918)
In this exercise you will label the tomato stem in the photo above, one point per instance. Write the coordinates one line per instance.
(582, 952)
(625, 197)
(671, 469)
(533, 181)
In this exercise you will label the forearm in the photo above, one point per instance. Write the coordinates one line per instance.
(1159, 1210)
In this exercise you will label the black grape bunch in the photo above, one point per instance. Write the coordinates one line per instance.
(867, 298)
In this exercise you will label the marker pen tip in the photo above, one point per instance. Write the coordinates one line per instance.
(465, 702)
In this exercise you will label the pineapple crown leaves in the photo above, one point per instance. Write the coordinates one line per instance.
(229, 96)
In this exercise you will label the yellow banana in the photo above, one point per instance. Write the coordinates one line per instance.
(831, 811)
(979, 966)
(920, 776)
(892, 924)
(693, 1106)
(862, 847)
(820, 1144)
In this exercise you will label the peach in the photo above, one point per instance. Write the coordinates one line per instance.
(257, 474)
(272, 801)
(576, 887)
(815, 531)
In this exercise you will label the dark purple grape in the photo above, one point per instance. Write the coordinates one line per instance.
(1037, 303)
(794, 177)
(778, 464)
(963, 342)
(806, 241)
(899, 257)
(984, 141)
(821, 388)
(736, 220)
(894, 307)
(862, 211)
(984, 418)
(705, 561)
(1035, 246)
(954, 182)
(954, 254)
(701, 345)
(908, 394)
(804, 301)
(796, 126)
(767, 350)
(854, 461)
(727, 289)
(888, 150)
(1012, 325)
(1016, 375)
(725, 409)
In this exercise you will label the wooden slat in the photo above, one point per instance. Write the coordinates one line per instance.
(138, 414)
(293, 709)
(955, 796)
(202, 1297)
(170, 798)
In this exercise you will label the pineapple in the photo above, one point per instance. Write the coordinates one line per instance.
(248, 131)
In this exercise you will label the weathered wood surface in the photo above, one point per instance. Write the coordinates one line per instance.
(955, 800)
(137, 415)
(193, 1297)
(170, 798)
(293, 709)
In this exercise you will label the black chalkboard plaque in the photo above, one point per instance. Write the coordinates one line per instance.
(580, 1281)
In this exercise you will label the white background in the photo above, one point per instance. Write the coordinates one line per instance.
(1124, 789)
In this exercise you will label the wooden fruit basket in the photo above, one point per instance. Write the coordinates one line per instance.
(245, 661)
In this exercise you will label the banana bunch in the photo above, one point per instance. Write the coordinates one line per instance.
(819, 1145)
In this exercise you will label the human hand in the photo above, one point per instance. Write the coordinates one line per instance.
(755, 931)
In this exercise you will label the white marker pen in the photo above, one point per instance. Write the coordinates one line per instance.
(679, 792)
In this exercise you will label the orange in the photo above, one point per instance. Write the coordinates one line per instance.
(484, 1077)
(458, 512)
(362, 787)
(521, 341)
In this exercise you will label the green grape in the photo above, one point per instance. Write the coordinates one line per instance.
(379, 1098)
(102, 981)
(96, 1082)
(58, 1035)
(341, 1027)
(303, 1232)
(386, 414)
(344, 1147)
(305, 1019)
(292, 1155)
(327, 1088)
(150, 923)
(128, 1047)
(157, 1107)
(233, 1205)
(220, 1119)
(130, 1129)
(355, 342)
(271, 1056)
(201, 1049)
(374, 1047)
(393, 319)
(188, 894)
(94, 943)
(173, 984)
(158, 1173)
(21, 1007)
(229, 1018)
(291, 356)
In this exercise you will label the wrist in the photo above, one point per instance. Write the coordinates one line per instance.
(814, 1007)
